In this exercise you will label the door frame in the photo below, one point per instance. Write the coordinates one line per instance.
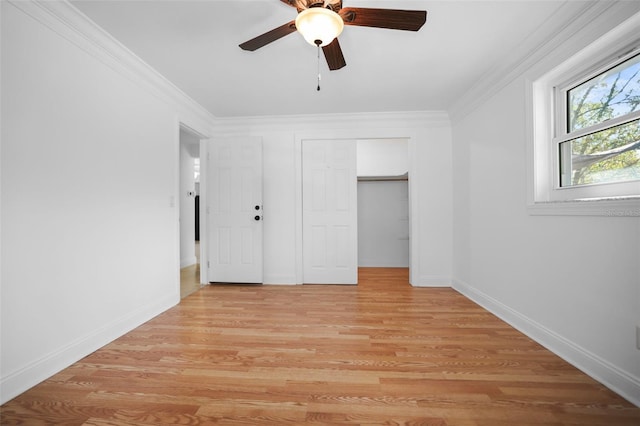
(383, 133)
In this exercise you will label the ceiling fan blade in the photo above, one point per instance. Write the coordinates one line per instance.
(268, 37)
(292, 3)
(333, 55)
(394, 19)
(299, 4)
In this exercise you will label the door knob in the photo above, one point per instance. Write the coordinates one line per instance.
(257, 207)
(257, 217)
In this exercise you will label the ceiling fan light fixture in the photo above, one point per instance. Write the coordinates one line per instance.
(319, 26)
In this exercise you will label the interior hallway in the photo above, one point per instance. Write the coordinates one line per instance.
(190, 276)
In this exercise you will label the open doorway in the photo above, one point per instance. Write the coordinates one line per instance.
(189, 217)
(383, 203)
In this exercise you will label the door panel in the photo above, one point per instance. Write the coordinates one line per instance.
(235, 210)
(329, 198)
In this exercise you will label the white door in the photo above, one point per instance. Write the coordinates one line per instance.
(329, 212)
(234, 210)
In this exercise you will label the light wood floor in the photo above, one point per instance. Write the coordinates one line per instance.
(381, 352)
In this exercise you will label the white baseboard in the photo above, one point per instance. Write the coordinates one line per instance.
(623, 383)
(381, 263)
(432, 281)
(30, 375)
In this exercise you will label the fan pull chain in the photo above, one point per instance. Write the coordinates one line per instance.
(318, 89)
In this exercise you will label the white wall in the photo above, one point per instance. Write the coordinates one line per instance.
(89, 179)
(279, 207)
(382, 157)
(383, 223)
(571, 282)
(430, 177)
(187, 201)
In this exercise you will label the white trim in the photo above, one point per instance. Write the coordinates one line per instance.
(174, 201)
(205, 164)
(350, 122)
(604, 125)
(414, 240)
(622, 382)
(16, 382)
(432, 281)
(608, 208)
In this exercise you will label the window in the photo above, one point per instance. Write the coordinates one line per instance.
(584, 129)
(598, 126)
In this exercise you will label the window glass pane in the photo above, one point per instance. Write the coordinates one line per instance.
(611, 155)
(611, 94)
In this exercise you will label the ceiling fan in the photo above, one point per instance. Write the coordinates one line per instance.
(321, 21)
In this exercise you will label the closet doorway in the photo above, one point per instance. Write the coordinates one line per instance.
(383, 202)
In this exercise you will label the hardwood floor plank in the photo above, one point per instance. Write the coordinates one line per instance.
(378, 353)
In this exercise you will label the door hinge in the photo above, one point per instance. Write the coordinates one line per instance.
(208, 264)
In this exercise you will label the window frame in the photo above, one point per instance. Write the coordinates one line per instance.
(562, 133)
(548, 128)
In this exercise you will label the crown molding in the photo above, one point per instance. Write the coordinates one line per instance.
(565, 24)
(347, 121)
(68, 22)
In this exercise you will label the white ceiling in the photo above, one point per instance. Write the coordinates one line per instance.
(194, 44)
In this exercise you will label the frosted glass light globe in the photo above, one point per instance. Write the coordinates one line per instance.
(319, 26)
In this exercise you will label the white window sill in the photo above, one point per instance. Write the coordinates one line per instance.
(620, 207)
